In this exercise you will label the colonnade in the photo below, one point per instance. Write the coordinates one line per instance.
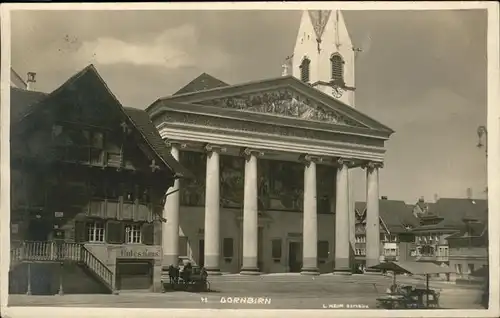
(170, 229)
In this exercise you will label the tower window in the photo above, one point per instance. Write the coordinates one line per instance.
(304, 70)
(337, 64)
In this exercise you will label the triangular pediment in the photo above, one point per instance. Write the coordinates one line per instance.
(282, 97)
(284, 102)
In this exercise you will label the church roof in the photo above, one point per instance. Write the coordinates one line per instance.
(203, 82)
(197, 97)
(26, 103)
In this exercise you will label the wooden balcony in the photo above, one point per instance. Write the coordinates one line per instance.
(115, 209)
(89, 156)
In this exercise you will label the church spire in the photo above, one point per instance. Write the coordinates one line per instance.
(323, 55)
(319, 19)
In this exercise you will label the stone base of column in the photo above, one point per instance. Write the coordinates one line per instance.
(309, 266)
(309, 271)
(250, 271)
(168, 260)
(342, 271)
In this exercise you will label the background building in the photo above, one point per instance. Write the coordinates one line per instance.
(450, 218)
(397, 242)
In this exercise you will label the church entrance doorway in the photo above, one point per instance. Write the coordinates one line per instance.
(294, 256)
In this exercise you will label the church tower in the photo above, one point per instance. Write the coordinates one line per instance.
(323, 55)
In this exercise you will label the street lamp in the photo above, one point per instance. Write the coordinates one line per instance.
(482, 131)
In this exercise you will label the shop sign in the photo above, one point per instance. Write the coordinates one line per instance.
(138, 253)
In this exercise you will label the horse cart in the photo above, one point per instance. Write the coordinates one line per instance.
(179, 280)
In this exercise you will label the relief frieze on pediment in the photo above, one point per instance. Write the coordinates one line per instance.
(283, 102)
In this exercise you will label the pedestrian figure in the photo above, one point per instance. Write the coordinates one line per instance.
(171, 274)
(187, 273)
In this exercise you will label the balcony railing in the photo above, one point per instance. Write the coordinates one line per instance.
(46, 251)
(432, 257)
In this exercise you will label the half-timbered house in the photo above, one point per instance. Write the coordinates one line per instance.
(88, 181)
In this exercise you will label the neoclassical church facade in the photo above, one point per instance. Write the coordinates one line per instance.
(272, 160)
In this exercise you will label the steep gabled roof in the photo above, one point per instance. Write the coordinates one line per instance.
(143, 123)
(453, 212)
(30, 103)
(15, 77)
(21, 100)
(395, 214)
(203, 82)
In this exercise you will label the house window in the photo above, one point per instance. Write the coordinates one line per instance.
(95, 232)
(97, 140)
(304, 70)
(133, 234)
(471, 268)
(323, 247)
(458, 268)
(337, 64)
(276, 249)
(183, 246)
(143, 195)
(227, 247)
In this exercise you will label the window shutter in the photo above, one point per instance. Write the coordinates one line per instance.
(115, 232)
(148, 233)
(81, 234)
(157, 234)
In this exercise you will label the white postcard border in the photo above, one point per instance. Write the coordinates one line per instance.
(493, 123)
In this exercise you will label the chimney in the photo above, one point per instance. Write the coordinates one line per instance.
(384, 197)
(436, 197)
(31, 79)
(469, 193)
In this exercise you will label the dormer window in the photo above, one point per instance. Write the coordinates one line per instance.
(337, 64)
(304, 70)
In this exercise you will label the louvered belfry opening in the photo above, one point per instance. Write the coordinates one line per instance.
(304, 70)
(337, 64)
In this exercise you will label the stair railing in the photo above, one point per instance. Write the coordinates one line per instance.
(98, 267)
(59, 252)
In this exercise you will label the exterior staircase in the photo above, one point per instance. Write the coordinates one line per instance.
(57, 252)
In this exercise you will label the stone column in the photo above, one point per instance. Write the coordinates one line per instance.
(342, 243)
(250, 214)
(372, 216)
(212, 210)
(170, 228)
(310, 223)
(352, 220)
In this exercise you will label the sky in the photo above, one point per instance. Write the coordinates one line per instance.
(422, 73)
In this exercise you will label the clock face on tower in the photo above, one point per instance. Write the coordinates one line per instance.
(337, 91)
